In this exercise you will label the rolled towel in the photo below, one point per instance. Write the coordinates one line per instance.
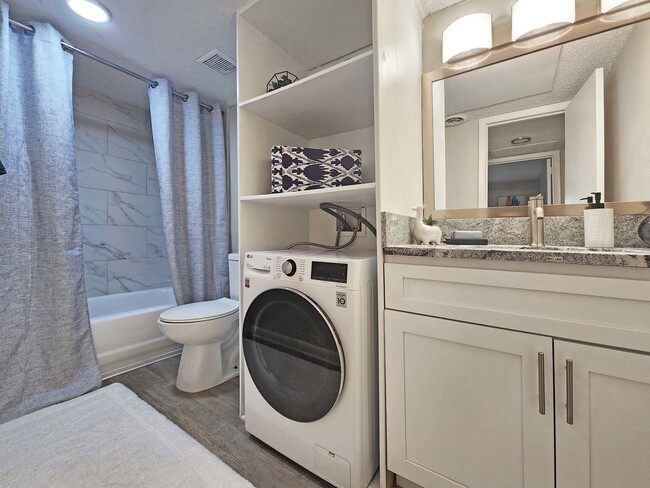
(467, 234)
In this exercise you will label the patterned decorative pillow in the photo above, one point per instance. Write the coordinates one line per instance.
(304, 168)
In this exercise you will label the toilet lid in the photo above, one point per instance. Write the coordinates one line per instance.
(196, 312)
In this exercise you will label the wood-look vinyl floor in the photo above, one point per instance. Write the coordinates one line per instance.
(212, 418)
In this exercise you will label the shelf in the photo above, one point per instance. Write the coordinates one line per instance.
(337, 99)
(357, 195)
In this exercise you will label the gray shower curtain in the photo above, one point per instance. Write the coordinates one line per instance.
(46, 349)
(191, 162)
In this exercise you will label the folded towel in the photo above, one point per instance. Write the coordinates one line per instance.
(3, 171)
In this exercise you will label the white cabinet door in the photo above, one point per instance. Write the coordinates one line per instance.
(463, 404)
(607, 442)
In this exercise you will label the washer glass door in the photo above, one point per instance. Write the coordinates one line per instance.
(293, 354)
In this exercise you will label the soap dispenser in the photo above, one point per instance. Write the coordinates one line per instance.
(599, 223)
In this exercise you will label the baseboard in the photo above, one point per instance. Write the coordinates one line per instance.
(404, 483)
(140, 364)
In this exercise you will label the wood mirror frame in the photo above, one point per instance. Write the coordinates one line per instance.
(581, 29)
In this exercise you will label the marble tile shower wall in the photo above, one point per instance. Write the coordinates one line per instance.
(124, 247)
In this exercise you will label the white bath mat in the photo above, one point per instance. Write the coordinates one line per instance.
(106, 438)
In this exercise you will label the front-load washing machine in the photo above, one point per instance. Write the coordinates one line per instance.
(309, 341)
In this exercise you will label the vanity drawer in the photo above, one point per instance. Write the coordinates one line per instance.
(610, 311)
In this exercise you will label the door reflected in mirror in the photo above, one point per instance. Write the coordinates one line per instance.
(524, 149)
(564, 122)
(512, 182)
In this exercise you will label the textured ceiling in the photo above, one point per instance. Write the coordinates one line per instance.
(314, 32)
(577, 62)
(431, 6)
(151, 37)
(518, 78)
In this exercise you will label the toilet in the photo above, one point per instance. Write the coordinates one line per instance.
(209, 334)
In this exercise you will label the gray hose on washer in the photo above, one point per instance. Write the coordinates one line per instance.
(324, 246)
(335, 211)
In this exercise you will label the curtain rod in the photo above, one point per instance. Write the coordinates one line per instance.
(72, 49)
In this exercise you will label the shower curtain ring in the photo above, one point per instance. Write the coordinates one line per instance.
(153, 84)
(185, 98)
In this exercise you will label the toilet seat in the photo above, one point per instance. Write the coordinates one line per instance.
(200, 311)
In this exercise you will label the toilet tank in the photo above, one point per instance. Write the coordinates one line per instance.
(233, 274)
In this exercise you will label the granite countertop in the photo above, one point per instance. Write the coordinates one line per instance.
(621, 257)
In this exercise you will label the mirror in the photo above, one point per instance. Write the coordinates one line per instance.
(564, 122)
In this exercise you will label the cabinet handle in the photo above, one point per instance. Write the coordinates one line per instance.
(541, 381)
(569, 392)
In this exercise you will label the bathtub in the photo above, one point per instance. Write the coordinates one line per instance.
(125, 331)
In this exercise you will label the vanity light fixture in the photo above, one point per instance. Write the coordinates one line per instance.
(466, 37)
(521, 140)
(534, 17)
(90, 10)
(610, 6)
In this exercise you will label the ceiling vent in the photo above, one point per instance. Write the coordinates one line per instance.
(455, 120)
(219, 62)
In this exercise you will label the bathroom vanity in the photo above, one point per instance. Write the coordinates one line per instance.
(516, 374)
(508, 365)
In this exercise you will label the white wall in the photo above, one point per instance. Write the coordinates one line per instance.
(231, 138)
(627, 120)
(398, 104)
(262, 62)
(363, 139)
(462, 165)
(322, 229)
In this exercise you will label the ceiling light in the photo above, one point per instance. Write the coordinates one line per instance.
(90, 10)
(533, 17)
(466, 37)
(607, 6)
(521, 140)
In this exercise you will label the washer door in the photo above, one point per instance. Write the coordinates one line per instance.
(293, 354)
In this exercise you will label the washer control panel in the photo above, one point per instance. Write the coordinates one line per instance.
(259, 262)
(293, 269)
(328, 271)
(289, 269)
(341, 271)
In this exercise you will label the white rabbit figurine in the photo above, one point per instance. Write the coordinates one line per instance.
(423, 233)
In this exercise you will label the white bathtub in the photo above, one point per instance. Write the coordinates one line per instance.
(125, 331)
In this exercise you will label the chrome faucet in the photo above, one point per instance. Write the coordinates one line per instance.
(536, 214)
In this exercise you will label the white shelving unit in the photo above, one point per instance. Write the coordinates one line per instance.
(360, 69)
(352, 196)
(328, 45)
(337, 99)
